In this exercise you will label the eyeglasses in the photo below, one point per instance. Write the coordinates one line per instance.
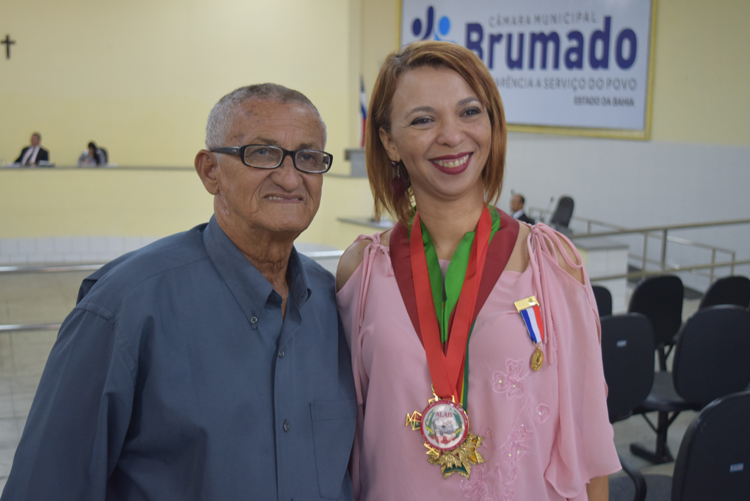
(263, 156)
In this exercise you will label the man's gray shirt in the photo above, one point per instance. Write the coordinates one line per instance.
(175, 377)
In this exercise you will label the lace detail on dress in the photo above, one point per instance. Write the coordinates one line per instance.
(504, 472)
(542, 413)
(509, 382)
(475, 487)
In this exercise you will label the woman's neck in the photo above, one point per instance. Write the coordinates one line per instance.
(448, 222)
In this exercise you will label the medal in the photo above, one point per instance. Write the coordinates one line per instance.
(445, 428)
(531, 314)
(444, 423)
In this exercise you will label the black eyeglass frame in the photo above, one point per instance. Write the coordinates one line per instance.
(239, 151)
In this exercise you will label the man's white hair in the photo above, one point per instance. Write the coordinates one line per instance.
(224, 112)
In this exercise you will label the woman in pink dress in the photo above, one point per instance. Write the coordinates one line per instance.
(474, 339)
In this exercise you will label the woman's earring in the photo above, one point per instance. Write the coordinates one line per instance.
(399, 183)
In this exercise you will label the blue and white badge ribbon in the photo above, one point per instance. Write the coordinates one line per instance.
(531, 314)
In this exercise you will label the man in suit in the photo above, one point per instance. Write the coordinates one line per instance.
(516, 208)
(32, 155)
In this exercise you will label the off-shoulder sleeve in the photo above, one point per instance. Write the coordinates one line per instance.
(351, 301)
(583, 447)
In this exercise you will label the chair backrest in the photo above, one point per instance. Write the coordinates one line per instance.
(628, 358)
(728, 290)
(603, 300)
(714, 458)
(563, 212)
(712, 356)
(660, 299)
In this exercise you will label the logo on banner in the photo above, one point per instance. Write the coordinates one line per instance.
(429, 30)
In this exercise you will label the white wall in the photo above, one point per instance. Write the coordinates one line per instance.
(637, 184)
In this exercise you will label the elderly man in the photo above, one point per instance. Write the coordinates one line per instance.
(209, 365)
(34, 154)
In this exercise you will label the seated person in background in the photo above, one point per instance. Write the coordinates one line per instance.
(516, 208)
(92, 157)
(34, 154)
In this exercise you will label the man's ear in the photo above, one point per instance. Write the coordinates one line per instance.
(207, 167)
(389, 145)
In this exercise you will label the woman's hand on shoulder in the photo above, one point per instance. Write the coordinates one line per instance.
(352, 258)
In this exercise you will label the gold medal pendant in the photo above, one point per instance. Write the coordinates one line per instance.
(537, 359)
(445, 429)
(531, 314)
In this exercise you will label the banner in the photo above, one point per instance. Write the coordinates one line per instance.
(560, 64)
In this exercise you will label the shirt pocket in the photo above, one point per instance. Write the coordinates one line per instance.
(333, 435)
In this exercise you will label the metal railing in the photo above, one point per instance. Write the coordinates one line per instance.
(658, 232)
(5, 270)
(661, 233)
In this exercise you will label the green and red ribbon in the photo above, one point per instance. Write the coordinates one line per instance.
(443, 312)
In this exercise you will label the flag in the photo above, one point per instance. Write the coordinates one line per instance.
(362, 109)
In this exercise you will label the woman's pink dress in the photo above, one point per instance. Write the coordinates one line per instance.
(546, 433)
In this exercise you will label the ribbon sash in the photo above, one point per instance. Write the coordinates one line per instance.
(410, 268)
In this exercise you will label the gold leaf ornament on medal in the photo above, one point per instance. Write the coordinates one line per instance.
(459, 460)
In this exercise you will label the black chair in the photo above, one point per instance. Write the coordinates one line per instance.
(728, 290)
(660, 299)
(713, 457)
(563, 213)
(628, 358)
(603, 300)
(710, 361)
(105, 155)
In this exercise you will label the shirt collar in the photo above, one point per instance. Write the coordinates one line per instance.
(248, 285)
(517, 214)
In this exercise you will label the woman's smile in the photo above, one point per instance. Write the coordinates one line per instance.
(452, 164)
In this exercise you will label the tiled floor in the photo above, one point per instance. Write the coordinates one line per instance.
(25, 299)
(49, 297)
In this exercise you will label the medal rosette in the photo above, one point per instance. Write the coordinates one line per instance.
(531, 313)
(445, 428)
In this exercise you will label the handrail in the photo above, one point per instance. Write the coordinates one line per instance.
(651, 229)
(622, 230)
(638, 274)
(95, 266)
(684, 241)
(323, 254)
(660, 233)
(647, 233)
(51, 269)
(29, 327)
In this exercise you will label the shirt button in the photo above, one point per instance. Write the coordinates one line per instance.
(254, 320)
(281, 354)
(286, 426)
